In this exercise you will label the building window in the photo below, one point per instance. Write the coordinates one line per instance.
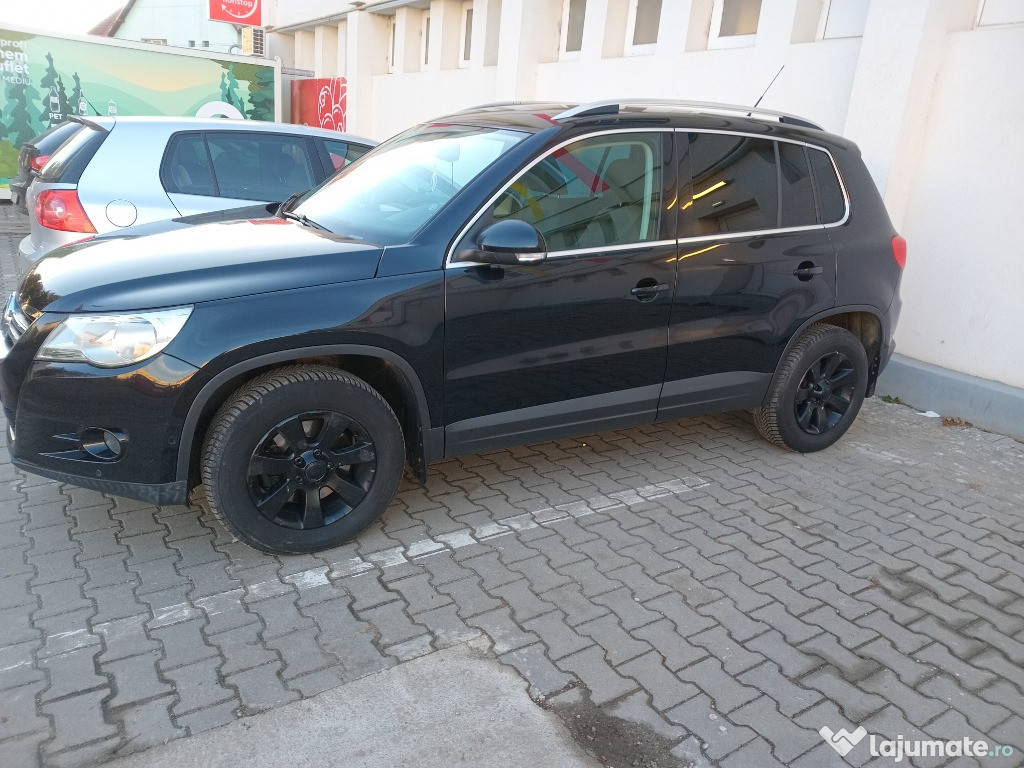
(425, 40)
(191, 43)
(734, 23)
(206, 43)
(391, 44)
(843, 18)
(642, 26)
(466, 42)
(573, 12)
(1000, 12)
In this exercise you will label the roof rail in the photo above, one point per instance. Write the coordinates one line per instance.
(489, 105)
(613, 107)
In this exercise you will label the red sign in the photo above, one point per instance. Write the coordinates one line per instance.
(320, 102)
(245, 12)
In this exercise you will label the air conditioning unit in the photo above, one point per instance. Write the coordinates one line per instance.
(254, 41)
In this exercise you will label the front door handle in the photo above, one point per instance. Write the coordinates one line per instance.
(648, 289)
(807, 270)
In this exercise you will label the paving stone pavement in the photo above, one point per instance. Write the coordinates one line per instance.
(729, 596)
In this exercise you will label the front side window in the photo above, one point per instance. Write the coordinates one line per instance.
(392, 192)
(600, 191)
(259, 166)
(342, 153)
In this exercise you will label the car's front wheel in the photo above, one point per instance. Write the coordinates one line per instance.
(818, 391)
(302, 459)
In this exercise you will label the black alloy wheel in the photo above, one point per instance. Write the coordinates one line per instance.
(312, 469)
(302, 459)
(825, 393)
(817, 390)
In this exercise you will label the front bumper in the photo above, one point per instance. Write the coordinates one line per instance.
(53, 408)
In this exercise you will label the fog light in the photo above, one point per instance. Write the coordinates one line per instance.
(103, 444)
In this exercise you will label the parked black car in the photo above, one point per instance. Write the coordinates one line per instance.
(498, 276)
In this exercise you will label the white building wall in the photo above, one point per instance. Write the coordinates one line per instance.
(963, 288)
(931, 97)
(149, 19)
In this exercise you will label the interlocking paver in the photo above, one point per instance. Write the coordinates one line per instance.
(881, 579)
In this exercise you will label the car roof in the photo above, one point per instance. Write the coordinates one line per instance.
(538, 116)
(171, 124)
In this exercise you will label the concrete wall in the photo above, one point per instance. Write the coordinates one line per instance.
(929, 89)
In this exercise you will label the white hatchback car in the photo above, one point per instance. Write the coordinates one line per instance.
(116, 172)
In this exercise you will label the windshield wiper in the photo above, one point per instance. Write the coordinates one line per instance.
(304, 219)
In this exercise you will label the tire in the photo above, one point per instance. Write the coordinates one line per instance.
(302, 459)
(817, 392)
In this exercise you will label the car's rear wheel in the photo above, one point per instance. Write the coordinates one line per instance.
(818, 391)
(302, 459)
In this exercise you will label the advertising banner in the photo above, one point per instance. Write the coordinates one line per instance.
(46, 79)
(319, 102)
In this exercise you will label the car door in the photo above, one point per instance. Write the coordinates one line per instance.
(215, 170)
(576, 342)
(755, 265)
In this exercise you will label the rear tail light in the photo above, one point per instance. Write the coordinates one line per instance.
(61, 209)
(39, 161)
(899, 251)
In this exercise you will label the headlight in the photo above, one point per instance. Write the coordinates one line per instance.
(113, 340)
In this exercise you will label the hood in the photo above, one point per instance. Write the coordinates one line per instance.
(193, 264)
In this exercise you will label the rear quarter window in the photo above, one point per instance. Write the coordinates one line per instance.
(830, 192)
(73, 156)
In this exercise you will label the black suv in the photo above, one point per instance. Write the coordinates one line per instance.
(507, 274)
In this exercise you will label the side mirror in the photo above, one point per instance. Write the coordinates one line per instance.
(510, 242)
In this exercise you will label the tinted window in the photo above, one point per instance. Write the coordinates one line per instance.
(341, 153)
(735, 185)
(795, 183)
(830, 193)
(259, 166)
(600, 191)
(406, 182)
(67, 163)
(188, 168)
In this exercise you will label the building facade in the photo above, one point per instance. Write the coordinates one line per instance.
(929, 89)
(183, 24)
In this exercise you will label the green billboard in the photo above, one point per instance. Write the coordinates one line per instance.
(45, 79)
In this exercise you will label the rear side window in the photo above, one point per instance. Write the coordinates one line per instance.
(341, 153)
(188, 168)
(830, 193)
(241, 165)
(795, 184)
(735, 185)
(70, 160)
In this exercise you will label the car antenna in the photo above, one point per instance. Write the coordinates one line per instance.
(765, 92)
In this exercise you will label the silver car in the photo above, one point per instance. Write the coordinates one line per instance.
(116, 172)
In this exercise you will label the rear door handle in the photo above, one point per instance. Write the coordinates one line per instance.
(647, 289)
(807, 270)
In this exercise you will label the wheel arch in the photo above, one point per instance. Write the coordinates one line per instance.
(387, 372)
(863, 321)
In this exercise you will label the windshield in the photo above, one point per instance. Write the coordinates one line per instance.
(397, 188)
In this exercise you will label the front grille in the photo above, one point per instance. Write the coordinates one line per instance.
(15, 322)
